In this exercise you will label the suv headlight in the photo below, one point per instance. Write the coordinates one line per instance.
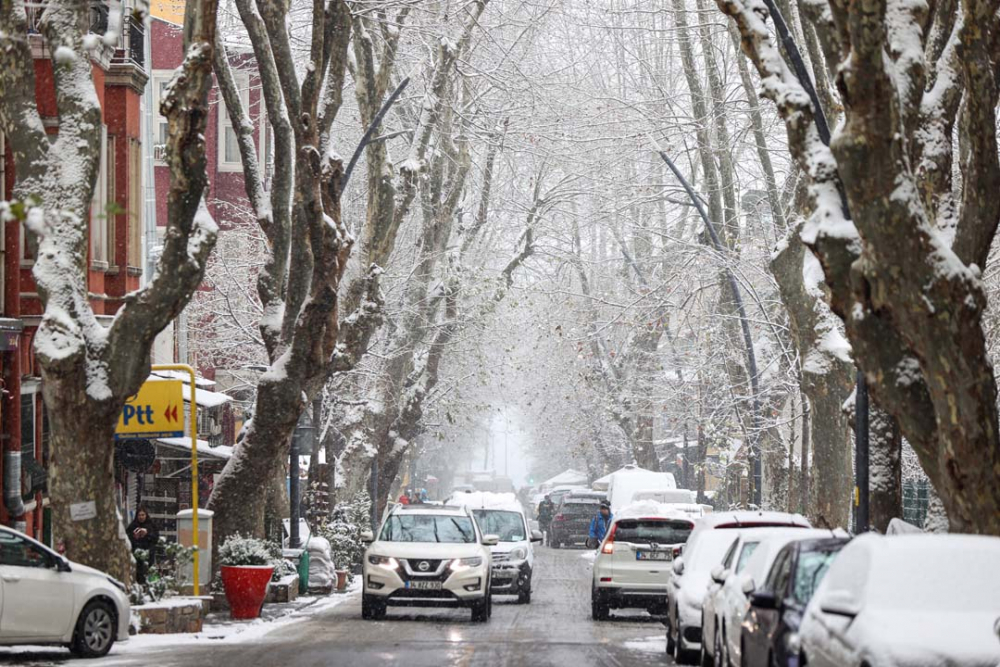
(385, 561)
(465, 563)
(518, 553)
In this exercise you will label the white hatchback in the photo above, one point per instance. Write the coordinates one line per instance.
(46, 599)
(428, 556)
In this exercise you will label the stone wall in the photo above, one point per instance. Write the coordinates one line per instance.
(170, 616)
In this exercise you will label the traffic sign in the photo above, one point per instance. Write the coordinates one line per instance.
(157, 411)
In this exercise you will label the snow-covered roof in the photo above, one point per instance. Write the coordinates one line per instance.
(184, 445)
(567, 477)
(204, 397)
(753, 519)
(485, 500)
(178, 375)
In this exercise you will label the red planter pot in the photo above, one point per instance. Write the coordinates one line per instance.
(246, 588)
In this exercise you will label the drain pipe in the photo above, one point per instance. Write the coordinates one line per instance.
(12, 383)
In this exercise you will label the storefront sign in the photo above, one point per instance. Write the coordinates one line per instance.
(157, 411)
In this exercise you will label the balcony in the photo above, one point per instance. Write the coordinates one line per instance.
(132, 44)
(99, 11)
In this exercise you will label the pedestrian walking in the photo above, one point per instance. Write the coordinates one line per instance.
(404, 498)
(599, 525)
(546, 509)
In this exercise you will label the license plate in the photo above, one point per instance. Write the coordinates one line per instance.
(652, 555)
(424, 585)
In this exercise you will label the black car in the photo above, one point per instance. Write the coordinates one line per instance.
(571, 523)
(770, 630)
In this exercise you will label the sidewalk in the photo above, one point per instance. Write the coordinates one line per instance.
(218, 627)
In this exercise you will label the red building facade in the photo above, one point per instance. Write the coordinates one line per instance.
(115, 258)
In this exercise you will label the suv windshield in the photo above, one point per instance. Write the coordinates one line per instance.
(507, 525)
(647, 531)
(428, 528)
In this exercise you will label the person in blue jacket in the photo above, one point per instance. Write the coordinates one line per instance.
(599, 524)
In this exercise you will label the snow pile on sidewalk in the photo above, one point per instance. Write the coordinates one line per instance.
(322, 573)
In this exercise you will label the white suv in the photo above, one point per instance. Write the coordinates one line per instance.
(428, 556)
(46, 599)
(633, 562)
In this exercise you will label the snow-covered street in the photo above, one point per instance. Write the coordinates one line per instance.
(555, 629)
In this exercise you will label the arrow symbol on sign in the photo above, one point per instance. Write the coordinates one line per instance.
(171, 413)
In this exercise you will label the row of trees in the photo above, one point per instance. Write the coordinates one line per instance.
(507, 220)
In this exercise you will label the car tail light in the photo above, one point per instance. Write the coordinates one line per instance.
(609, 541)
(559, 517)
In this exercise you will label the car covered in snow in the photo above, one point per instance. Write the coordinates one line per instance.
(513, 555)
(907, 601)
(711, 538)
(770, 633)
(46, 599)
(741, 572)
(428, 556)
(632, 565)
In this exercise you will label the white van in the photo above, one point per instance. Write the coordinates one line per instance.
(625, 482)
(501, 514)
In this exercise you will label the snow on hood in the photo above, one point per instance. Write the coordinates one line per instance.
(427, 550)
(929, 638)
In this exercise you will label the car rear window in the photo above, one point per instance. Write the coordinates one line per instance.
(646, 531)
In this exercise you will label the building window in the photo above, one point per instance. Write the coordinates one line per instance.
(101, 212)
(134, 212)
(229, 149)
(160, 80)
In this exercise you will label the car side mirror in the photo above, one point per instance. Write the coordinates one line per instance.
(678, 566)
(536, 536)
(367, 537)
(763, 600)
(491, 540)
(719, 574)
(748, 585)
(840, 603)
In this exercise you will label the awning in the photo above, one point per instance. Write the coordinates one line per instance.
(221, 452)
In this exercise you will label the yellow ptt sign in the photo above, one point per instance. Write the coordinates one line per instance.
(157, 411)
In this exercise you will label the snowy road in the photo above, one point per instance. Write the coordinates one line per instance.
(554, 630)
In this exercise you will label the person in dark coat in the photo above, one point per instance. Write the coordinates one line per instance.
(546, 509)
(143, 534)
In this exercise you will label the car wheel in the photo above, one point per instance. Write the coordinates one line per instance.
(683, 656)
(481, 609)
(95, 630)
(599, 610)
(372, 609)
(524, 596)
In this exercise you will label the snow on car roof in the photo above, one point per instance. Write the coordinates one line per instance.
(751, 519)
(643, 509)
(486, 500)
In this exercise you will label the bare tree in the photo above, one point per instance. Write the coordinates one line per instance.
(904, 272)
(89, 370)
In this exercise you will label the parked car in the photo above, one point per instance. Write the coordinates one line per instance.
(501, 514)
(905, 601)
(46, 599)
(741, 572)
(571, 523)
(428, 556)
(691, 572)
(633, 561)
(770, 632)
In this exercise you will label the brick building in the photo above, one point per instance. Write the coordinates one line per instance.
(115, 261)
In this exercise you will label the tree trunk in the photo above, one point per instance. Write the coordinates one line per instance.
(886, 476)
